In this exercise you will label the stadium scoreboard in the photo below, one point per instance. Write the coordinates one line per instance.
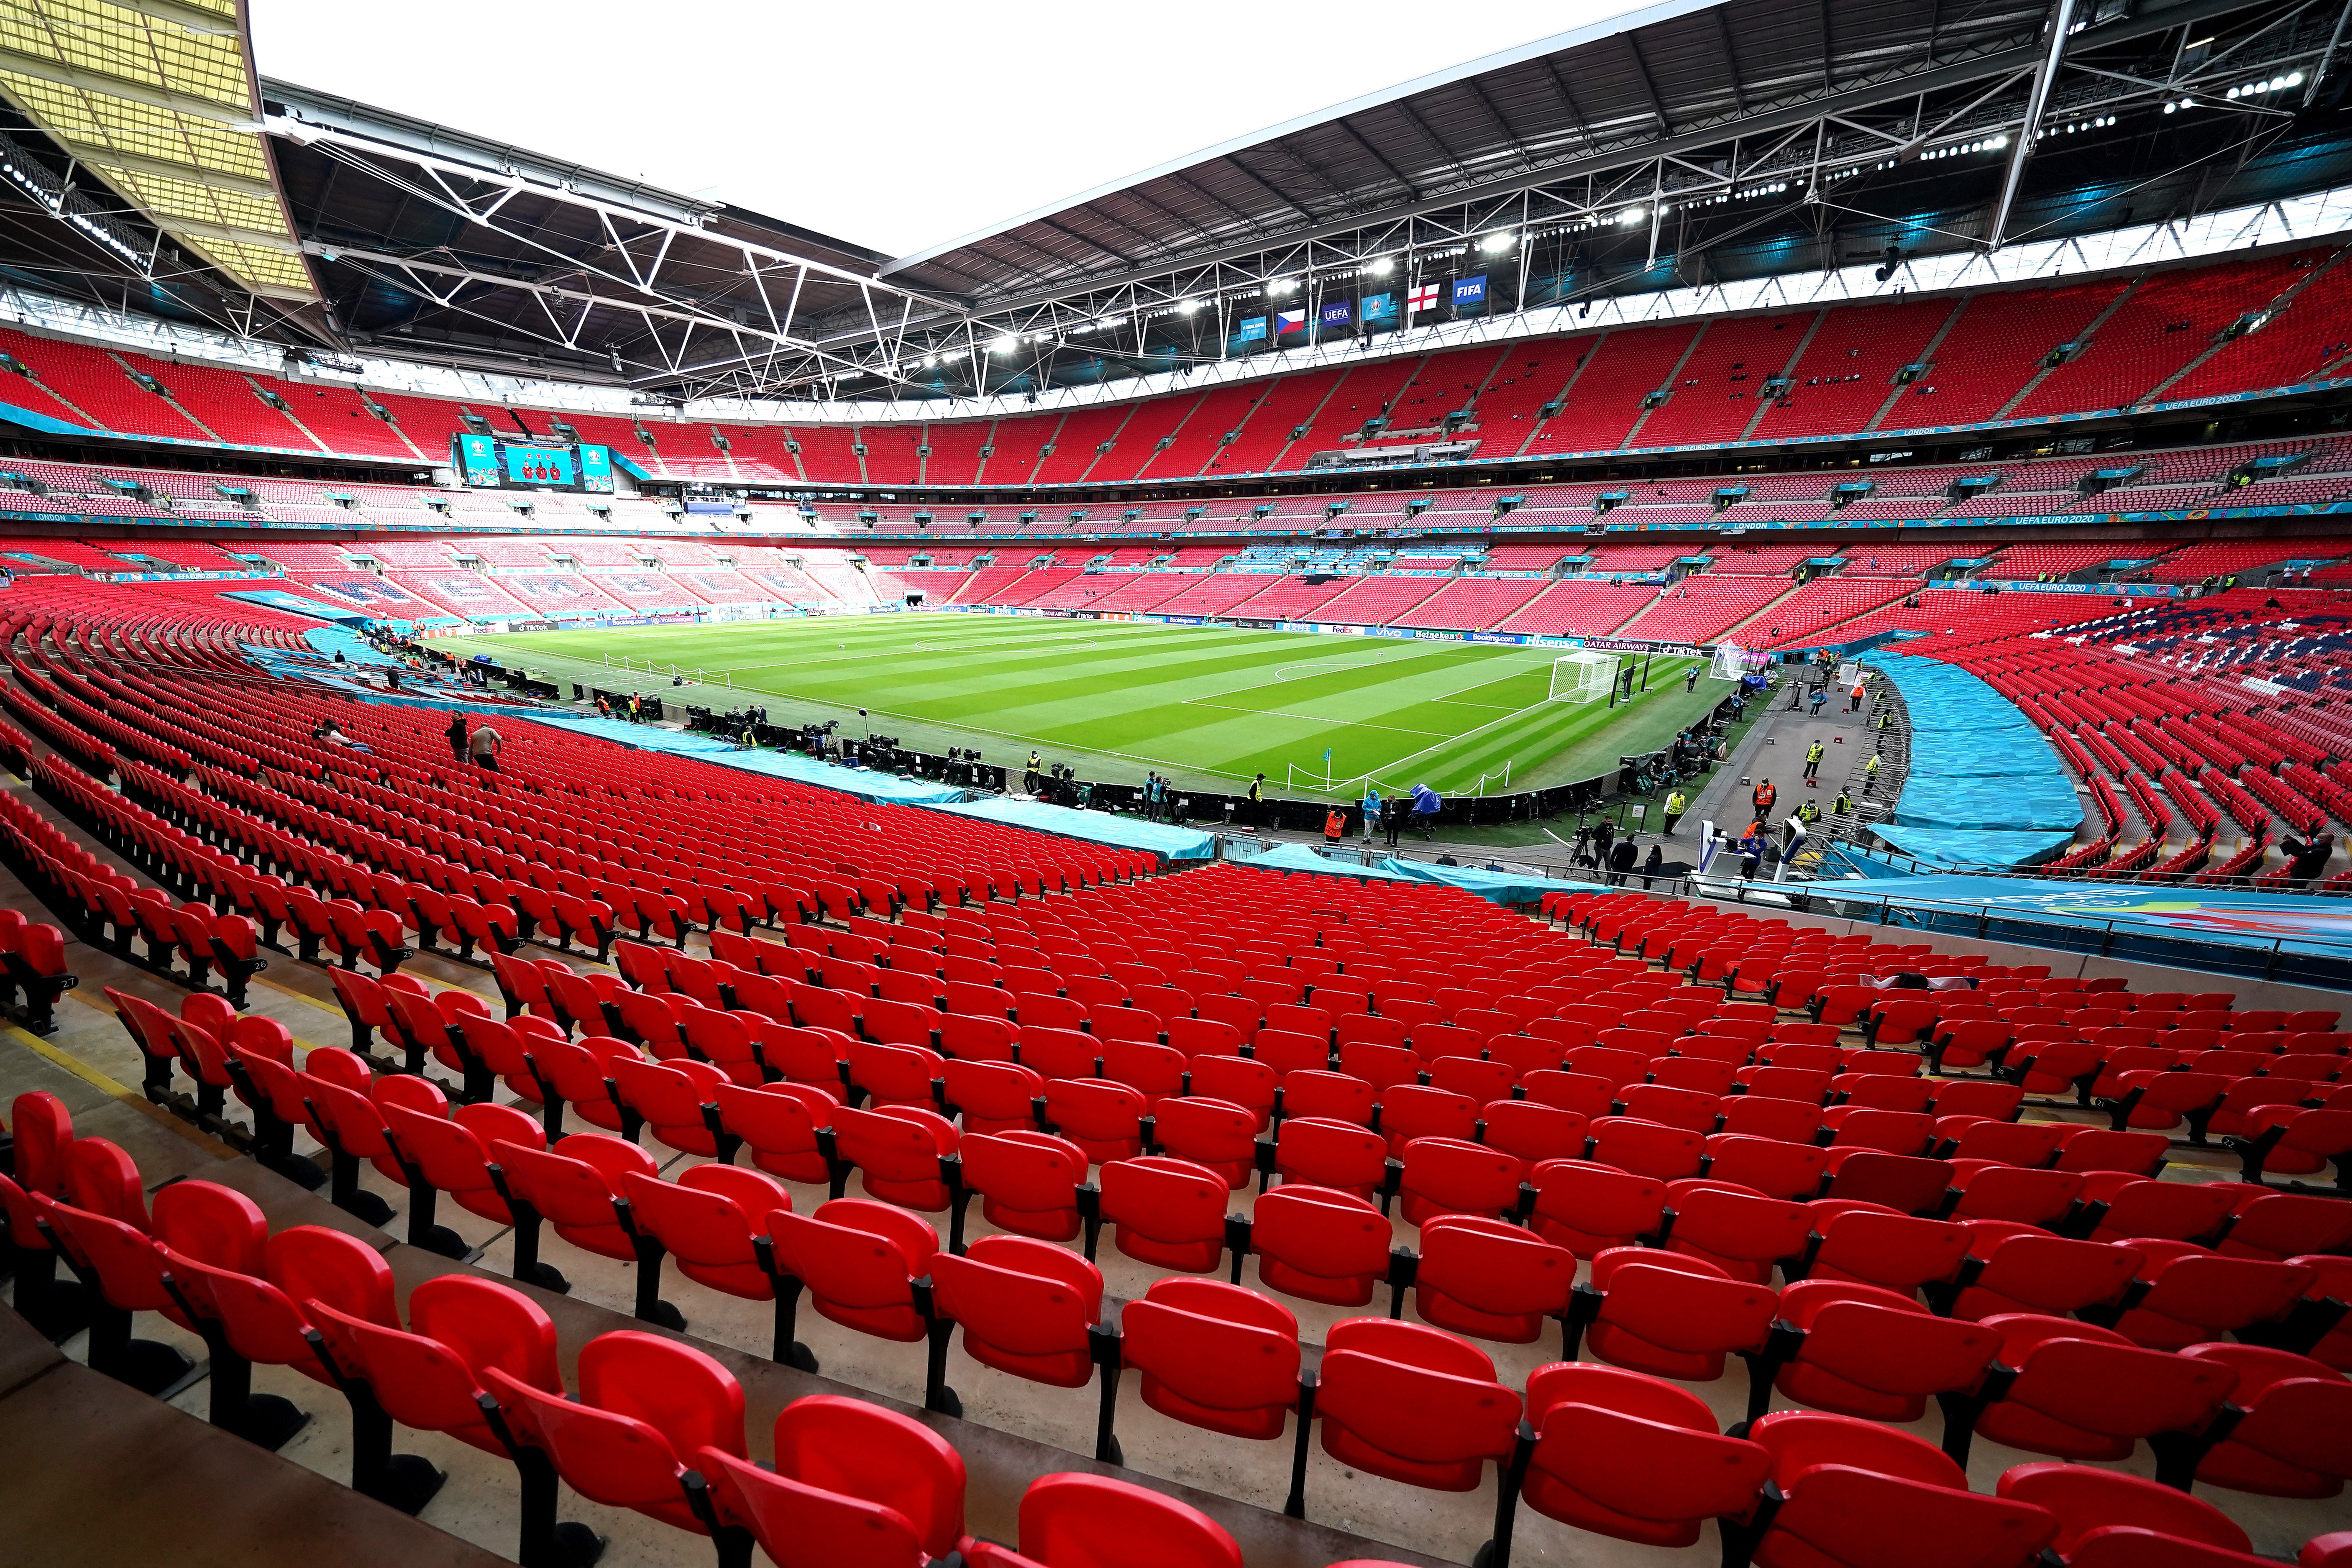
(491, 462)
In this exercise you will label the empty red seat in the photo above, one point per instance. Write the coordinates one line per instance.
(2295, 1438)
(1027, 1308)
(1091, 1521)
(1863, 1352)
(1667, 1314)
(1028, 1181)
(1587, 1208)
(854, 1484)
(1317, 1243)
(2110, 1519)
(1165, 1212)
(858, 1260)
(1862, 1495)
(2081, 1392)
(1408, 1404)
(1491, 1281)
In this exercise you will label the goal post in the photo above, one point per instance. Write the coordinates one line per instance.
(1582, 676)
(1732, 662)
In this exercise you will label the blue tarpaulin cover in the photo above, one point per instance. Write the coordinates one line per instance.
(1985, 788)
(1094, 827)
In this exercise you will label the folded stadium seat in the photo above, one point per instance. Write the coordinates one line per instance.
(2048, 1067)
(2164, 1211)
(1029, 1183)
(898, 1152)
(429, 1377)
(1866, 1353)
(1807, 1086)
(1580, 1093)
(1898, 1182)
(452, 1155)
(2288, 1140)
(348, 1119)
(1894, 1252)
(1760, 1115)
(2105, 1516)
(1531, 1130)
(2030, 1196)
(1407, 1404)
(2276, 1226)
(2295, 1438)
(708, 1220)
(1168, 1213)
(1316, 1243)
(1892, 1021)
(1587, 1208)
(859, 1261)
(1625, 1456)
(1770, 1166)
(1691, 1110)
(123, 1255)
(1026, 1308)
(2081, 1392)
(1444, 1176)
(1380, 1065)
(2184, 1294)
(1735, 1226)
(1213, 1356)
(1218, 1134)
(1712, 1078)
(1667, 1314)
(575, 1186)
(1480, 1080)
(266, 1318)
(1324, 1152)
(779, 1122)
(854, 1484)
(1620, 1070)
(2110, 1160)
(889, 1076)
(645, 1405)
(669, 1098)
(1646, 1147)
(1235, 1080)
(578, 1075)
(1407, 1111)
(2161, 1099)
(1326, 1096)
(1857, 1493)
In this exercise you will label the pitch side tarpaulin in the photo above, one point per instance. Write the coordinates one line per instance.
(1303, 858)
(295, 605)
(1497, 887)
(1094, 827)
(2303, 924)
(1985, 788)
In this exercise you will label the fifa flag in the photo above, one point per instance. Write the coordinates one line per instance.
(1336, 313)
(1251, 330)
(1423, 298)
(1375, 308)
(1470, 293)
(1287, 323)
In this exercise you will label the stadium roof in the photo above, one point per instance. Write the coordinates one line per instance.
(156, 97)
(1679, 144)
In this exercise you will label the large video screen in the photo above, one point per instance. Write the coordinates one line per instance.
(494, 464)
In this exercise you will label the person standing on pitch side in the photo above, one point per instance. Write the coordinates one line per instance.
(1257, 803)
(1813, 755)
(1676, 803)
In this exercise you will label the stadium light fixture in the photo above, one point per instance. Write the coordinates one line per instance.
(1190, 307)
(1632, 215)
(1280, 285)
(1495, 244)
(1004, 344)
(1381, 265)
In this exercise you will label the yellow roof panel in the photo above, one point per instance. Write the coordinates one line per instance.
(129, 93)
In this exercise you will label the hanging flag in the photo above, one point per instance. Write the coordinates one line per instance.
(1469, 291)
(1423, 298)
(1377, 308)
(1337, 313)
(1252, 327)
(1288, 322)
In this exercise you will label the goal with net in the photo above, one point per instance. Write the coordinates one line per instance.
(1732, 662)
(1582, 676)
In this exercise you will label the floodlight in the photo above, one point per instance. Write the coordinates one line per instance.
(1004, 344)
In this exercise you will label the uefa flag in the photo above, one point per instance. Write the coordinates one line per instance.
(1423, 298)
(1337, 313)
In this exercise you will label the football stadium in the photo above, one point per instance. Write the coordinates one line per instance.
(1596, 810)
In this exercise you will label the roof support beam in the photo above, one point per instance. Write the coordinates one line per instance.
(2062, 18)
(100, 156)
(188, 18)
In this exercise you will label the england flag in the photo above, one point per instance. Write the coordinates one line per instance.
(1423, 298)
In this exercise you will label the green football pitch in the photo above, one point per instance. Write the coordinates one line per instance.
(1209, 706)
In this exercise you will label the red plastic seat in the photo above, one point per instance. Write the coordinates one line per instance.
(1629, 1457)
(707, 1221)
(1488, 1280)
(1091, 1521)
(1213, 1356)
(860, 1260)
(779, 1124)
(2294, 1440)
(1212, 1132)
(1408, 1404)
(855, 1486)
(1896, 1252)
(2111, 1520)
(896, 1152)
(1317, 1242)
(1028, 1181)
(1165, 1212)
(1647, 1148)
(645, 1405)
(1587, 1208)
(1026, 1308)
(1861, 1494)
(1859, 1351)
(2081, 1392)
(1101, 1116)
(1667, 1314)
(1328, 1154)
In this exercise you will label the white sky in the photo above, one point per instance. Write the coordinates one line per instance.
(897, 125)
